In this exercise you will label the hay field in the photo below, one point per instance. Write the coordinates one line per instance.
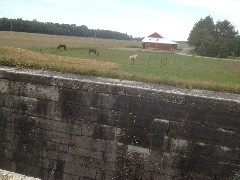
(32, 40)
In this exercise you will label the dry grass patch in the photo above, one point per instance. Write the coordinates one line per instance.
(34, 59)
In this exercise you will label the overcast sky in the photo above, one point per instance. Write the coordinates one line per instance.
(173, 19)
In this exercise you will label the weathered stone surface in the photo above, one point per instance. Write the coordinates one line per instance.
(214, 100)
(160, 130)
(4, 86)
(65, 126)
(226, 119)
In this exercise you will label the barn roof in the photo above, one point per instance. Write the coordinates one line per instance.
(156, 38)
(156, 35)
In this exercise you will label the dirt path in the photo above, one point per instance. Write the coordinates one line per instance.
(185, 51)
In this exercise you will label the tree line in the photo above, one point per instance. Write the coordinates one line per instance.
(218, 39)
(34, 26)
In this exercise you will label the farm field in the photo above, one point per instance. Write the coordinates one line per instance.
(30, 40)
(39, 51)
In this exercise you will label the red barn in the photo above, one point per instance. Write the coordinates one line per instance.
(156, 41)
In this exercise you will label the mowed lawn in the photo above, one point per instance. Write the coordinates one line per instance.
(152, 66)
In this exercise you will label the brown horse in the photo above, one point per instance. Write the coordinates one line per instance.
(62, 46)
(92, 50)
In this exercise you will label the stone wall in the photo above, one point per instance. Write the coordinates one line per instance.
(63, 126)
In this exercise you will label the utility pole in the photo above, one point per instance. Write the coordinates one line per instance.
(11, 26)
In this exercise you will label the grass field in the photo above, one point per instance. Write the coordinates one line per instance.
(155, 67)
(29, 40)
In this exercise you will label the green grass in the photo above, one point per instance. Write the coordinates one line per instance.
(155, 67)
(163, 68)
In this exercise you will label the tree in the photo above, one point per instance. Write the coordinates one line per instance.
(224, 29)
(210, 45)
(212, 39)
(223, 50)
(34, 26)
(237, 46)
(225, 36)
(5, 24)
(202, 50)
(204, 27)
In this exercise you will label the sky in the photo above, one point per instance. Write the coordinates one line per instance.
(173, 19)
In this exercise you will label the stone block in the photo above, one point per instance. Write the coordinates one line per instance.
(193, 132)
(31, 106)
(2, 97)
(160, 129)
(173, 112)
(139, 136)
(172, 145)
(195, 165)
(73, 96)
(84, 142)
(214, 100)
(145, 106)
(86, 153)
(71, 112)
(33, 90)
(4, 86)
(122, 103)
(103, 132)
(223, 119)
(149, 91)
(58, 137)
(204, 134)
(56, 148)
(90, 172)
(101, 100)
(74, 169)
(27, 75)
(196, 115)
(70, 176)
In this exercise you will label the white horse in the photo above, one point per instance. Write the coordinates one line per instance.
(133, 58)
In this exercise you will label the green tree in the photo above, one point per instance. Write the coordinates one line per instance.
(237, 46)
(210, 45)
(204, 27)
(225, 37)
(202, 50)
(224, 29)
(213, 40)
(5, 24)
(60, 29)
(223, 50)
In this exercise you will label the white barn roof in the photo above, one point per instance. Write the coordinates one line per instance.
(158, 40)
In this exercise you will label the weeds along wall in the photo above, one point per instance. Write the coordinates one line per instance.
(64, 126)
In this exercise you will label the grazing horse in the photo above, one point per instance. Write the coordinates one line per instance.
(92, 50)
(62, 46)
(133, 58)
